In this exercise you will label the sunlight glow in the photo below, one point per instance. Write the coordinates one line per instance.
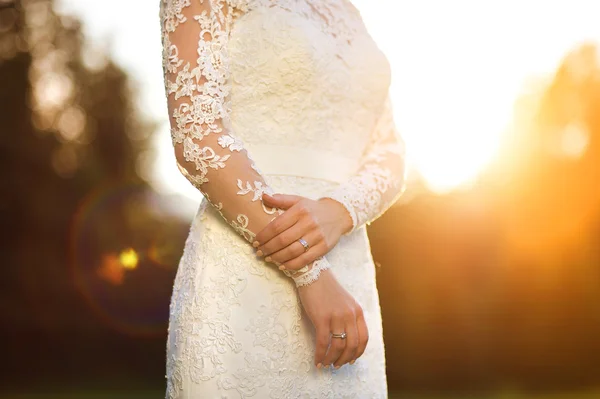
(574, 141)
(457, 68)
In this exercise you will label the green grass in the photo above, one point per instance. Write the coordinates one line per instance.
(160, 395)
(505, 395)
(89, 395)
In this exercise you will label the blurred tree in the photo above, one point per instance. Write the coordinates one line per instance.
(549, 204)
(71, 203)
(551, 164)
(7, 4)
(494, 285)
(499, 285)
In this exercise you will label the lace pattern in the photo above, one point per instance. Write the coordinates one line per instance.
(294, 73)
(309, 275)
(197, 85)
(381, 178)
(237, 329)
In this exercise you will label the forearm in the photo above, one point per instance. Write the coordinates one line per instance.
(370, 192)
(381, 178)
(235, 190)
(197, 85)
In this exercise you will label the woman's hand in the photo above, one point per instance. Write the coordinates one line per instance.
(319, 223)
(333, 310)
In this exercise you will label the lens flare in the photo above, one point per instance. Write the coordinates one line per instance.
(108, 237)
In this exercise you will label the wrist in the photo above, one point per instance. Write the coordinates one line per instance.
(324, 276)
(342, 214)
(314, 271)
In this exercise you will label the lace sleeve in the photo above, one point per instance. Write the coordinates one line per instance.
(197, 85)
(380, 179)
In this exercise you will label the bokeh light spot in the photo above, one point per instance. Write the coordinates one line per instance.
(111, 270)
(129, 259)
(575, 140)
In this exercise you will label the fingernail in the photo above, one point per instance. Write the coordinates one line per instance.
(336, 367)
(319, 365)
(352, 362)
(259, 253)
(281, 267)
(268, 259)
(256, 244)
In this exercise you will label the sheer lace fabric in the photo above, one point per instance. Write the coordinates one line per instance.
(380, 180)
(264, 96)
(197, 84)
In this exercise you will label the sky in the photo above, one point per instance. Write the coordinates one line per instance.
(457, 67)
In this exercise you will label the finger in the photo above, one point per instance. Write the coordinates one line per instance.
(337, 345)
(296, 249)
(277, 226)
(281, 201)
(363, 334)
(313, 253)
(322, 336)
(290, 252)
(351, 342)
(285, 238)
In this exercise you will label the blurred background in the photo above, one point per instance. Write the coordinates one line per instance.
(488, 268)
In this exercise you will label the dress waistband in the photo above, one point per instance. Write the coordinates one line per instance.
(302, 162)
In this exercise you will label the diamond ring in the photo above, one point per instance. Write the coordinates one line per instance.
(340, 335)
(304, 244)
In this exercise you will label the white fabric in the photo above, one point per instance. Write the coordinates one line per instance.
(239, 75)
(297, 161)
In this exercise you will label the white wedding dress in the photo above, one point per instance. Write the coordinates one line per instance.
(286, 96)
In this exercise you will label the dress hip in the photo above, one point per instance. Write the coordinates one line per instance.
(237, 328)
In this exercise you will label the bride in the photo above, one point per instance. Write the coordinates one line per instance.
(280, 116)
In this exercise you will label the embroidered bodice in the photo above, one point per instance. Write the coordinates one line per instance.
(279, 87)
